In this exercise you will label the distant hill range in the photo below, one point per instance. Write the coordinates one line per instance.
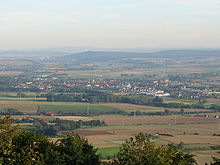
(103, 56)
(79, 55)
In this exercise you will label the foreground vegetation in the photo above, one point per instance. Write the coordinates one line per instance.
(19, 146)
(25, 147)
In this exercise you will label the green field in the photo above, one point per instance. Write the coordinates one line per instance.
(108, 152)
(173, 100)
(76, 108)
(32, 106)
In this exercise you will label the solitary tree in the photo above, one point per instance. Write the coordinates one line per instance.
(76, 150)
(7, 133)
(140, 150)
(182, 111)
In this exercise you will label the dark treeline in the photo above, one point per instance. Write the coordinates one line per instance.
(10, 111)
(133, 113)
(60, 113)
(163, 113)
(54, 126)
(103, 97)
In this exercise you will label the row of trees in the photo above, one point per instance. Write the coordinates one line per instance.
(19, 147)
(10, 111)
(57, 125)
(94, 113)
(103, 97)
(132, 113)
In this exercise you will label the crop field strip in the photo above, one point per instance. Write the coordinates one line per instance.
(33, 106)
(77, 108)
(10, 73)
(170, 119)
(145, 108)
(30, 105)
(115, 135)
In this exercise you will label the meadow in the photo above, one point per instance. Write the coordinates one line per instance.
(194, 137)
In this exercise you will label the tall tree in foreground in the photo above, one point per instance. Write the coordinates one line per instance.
(20, 147)
(77, 151)
(35, 148)
(216, 161)
(141, 151)
(7, 133)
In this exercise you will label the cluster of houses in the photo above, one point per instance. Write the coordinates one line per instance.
(144, 87)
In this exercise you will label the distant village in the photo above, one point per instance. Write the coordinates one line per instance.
(160, 88)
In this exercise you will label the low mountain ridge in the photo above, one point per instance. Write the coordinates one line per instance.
(103, 56)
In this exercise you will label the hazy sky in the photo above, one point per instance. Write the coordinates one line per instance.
(110, 23)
